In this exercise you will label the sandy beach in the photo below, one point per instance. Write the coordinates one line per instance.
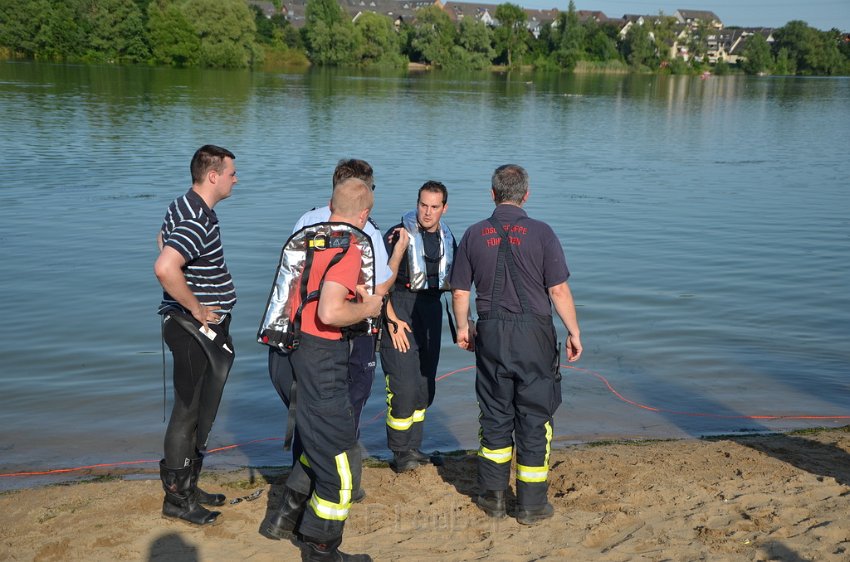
(764, 497)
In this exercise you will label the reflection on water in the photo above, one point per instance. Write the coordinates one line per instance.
(704, 222)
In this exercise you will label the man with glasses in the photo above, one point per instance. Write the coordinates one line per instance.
(410, 348)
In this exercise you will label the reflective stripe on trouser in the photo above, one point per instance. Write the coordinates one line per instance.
(410, 376)
(325, 427)
(517, 393)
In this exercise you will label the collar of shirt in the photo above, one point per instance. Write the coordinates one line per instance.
(198, 200)
(509, 213)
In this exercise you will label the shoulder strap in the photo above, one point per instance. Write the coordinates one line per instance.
(305, 278)
(505, 264)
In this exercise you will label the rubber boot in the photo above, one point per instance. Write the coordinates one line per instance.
(533, 516)
(181, 501)
(204, 497)
(282, 524)
(492, 502)
(328, 551)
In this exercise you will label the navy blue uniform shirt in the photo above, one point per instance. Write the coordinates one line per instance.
(539, 259)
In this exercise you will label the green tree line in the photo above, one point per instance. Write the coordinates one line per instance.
(230, 34)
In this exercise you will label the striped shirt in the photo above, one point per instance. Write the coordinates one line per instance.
(191, 228)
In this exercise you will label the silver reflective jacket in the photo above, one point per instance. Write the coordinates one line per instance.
(276, 326)
(416, 267)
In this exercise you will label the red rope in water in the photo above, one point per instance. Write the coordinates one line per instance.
(604, 381)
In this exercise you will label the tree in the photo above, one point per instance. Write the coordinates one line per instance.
(378, 43)
(637, 46)
(601, 43)
(433, 36)
(785, 63)
(20, 24)
(227, 32)
(757, 55)
(173, 39)
(474, 47)
(114, 30)
(330, 35)
(60, 36)
(512, 30)
(664, 36)
(571, 47)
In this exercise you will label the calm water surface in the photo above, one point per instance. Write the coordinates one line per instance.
(705, 223)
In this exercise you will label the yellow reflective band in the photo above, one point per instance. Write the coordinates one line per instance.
(548, 443)
(531, 473)
(325, 509)
(303, 460)
(400, 424)
(499, 456)
(345, 479)
(328, 510)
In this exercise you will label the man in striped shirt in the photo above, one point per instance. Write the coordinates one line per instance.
(197, 288)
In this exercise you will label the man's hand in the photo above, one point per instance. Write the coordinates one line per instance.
(573, 348)
(463, 340)
(373, 303)
(402, 242)
(204, 315)
(398, 335)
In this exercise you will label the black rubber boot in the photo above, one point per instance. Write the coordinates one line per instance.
(181, 501)
(282, 524)
(421, 457)
(404, 461)
(492, 502)
(328, 551)
(204, 497)
(535, 515)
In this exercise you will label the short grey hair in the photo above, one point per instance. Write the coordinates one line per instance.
(510, 184)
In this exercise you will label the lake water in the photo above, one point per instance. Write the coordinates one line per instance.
(706, 224)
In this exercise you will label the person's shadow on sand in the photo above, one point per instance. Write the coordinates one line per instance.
(171, 547)
(461, 471)
(822, 459)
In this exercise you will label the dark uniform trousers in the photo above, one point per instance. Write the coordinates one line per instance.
(519, 389)
(324, 425)
(411, 376)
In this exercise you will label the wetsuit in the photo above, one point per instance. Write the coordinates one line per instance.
(191, 228)
(512, 260)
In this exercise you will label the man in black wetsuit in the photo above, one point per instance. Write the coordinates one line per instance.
(198, 294)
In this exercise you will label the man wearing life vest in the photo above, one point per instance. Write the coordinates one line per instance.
(361, 362)
(327, 298)
(410, 348)
(519, 271)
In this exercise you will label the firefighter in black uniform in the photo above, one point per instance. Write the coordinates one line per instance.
(410, 348)
(519, 271)
(325, 419)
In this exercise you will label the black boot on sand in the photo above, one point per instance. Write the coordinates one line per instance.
(282, 524)
(492, 502)
(181, 500)
(317, 551)
(204, 497)
(535, 515)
